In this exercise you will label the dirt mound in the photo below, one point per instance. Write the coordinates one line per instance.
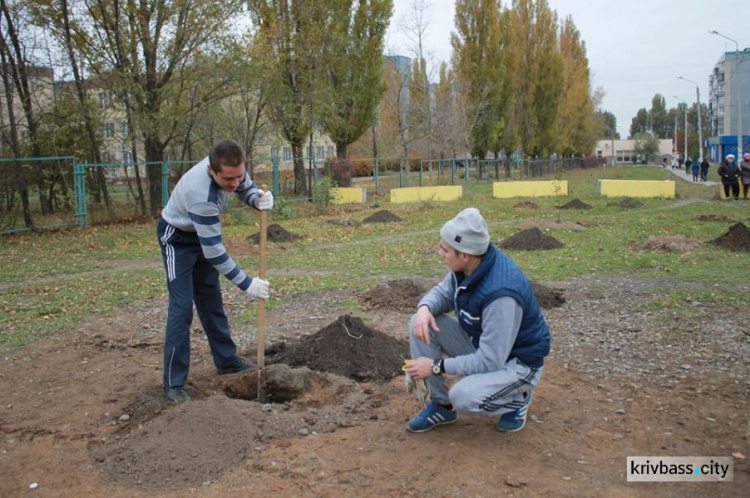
(346, 347)
(276, 233)
(526, 205)
(575, 204)
(401, 295)
(547, 297)
(714, 217)
(736, 239)
(627, 202)
(531, 239)
(382, 216)
(677, 244)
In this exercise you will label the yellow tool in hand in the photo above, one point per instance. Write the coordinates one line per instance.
(417, 386)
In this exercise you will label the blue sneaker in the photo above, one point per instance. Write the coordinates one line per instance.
(434, 414)
(515, 420)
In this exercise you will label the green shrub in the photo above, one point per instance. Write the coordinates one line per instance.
(323, 194)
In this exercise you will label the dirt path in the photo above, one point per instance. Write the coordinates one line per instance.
(81, 413)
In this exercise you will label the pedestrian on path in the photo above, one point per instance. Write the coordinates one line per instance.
(730, 177)
(745, 173)
(704, 169)
(696, 167)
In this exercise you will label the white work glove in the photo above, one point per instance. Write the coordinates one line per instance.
(259, 288)
(265, 200)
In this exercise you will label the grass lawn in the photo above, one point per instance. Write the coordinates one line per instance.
(51, 281)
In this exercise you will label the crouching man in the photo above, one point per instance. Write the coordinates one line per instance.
(496, 342)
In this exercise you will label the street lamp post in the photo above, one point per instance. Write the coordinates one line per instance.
(700, 125)
(684, 150)
(735, 74)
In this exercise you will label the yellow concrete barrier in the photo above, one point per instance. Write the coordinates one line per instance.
(505, 190)
(349, 195)
(637, 188)
(417, 194)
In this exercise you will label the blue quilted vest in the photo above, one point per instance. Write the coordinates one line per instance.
(498, 276)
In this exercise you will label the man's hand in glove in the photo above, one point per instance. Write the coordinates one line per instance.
(265, 200)
(259, 288)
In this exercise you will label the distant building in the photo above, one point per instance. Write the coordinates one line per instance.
(42, 94)
(729, 99)
(623, 151)
(403, 64)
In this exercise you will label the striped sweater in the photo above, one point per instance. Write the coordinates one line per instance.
(195, 205)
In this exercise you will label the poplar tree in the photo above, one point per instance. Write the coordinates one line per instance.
(576, 122)
(539, 75)
(478, 65)
(354, 69)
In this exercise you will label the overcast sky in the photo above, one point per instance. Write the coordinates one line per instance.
(636, 48)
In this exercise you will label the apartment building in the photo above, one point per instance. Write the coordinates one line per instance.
(729, 104)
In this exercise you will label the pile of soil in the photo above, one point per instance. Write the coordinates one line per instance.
(576, 204)
(714, 217)
(627, 202)
(676, 244)
(346, 347)
(397, 295)
(531, 239)
(526, 205)
(276, 233)
(382, 216)
(736, 239)
(548, 298)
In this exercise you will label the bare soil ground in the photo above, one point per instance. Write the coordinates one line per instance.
(81, 412)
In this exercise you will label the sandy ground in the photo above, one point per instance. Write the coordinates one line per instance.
(81, 412)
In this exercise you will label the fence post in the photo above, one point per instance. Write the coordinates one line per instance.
(453, 171)
(276, 180)
(377, 176)
(164, 183)
(421, 173)
(80, 193)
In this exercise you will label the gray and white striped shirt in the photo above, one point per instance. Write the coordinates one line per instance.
(195, 205)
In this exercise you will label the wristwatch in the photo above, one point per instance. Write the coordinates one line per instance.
(437, 367)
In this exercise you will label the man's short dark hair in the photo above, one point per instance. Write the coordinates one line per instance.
(226, 153)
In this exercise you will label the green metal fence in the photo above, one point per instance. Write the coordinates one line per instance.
(111, 192)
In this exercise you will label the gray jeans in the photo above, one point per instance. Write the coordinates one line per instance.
(490, 393)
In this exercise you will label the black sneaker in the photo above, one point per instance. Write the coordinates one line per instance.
(176, 394)
(242, 366)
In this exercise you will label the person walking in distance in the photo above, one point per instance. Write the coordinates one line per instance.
(745, 173)
(189, 234)
(704, 169)
(730, 177)
(496, 342)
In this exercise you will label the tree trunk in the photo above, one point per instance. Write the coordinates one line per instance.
(341, 150)
(299, 167)
(154, 156)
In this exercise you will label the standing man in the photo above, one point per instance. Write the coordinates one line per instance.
(497, 341)
(189, 234)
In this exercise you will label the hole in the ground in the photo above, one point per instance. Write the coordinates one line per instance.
(283, 384)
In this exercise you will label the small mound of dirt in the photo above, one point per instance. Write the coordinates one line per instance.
(575, 204)
(714, 217)
(276, 233)
(526, 205)
(736, 239)
(402, 294)
(347, 347)
(677, 244)
(547, 297)
(531, 239)
(382, 216)
(627, 202)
